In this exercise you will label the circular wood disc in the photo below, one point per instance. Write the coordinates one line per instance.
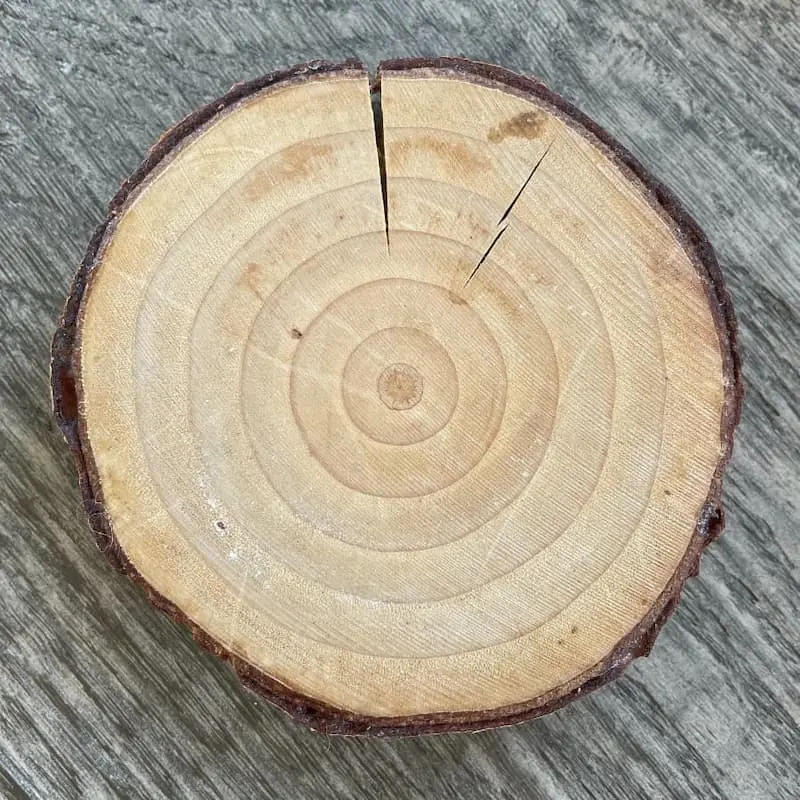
(411, 400)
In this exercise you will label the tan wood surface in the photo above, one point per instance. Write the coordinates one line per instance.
(438, 453)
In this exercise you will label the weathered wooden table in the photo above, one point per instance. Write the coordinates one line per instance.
(101, 696)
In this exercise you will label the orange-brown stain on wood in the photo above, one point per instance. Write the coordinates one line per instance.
(252, 278)
(457, 157)
(298, 162)
(527, 125)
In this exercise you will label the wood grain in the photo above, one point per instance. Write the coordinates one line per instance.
(101, 697)
(240, 338)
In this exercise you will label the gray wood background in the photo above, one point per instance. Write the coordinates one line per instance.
(101, 696)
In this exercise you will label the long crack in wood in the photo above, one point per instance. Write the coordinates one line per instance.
(377, 118)
(503, 221)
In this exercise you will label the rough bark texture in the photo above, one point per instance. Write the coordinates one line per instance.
(307, 710)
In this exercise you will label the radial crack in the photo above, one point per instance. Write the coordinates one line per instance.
(524, 186)
(485, 255)
(502, 223)
(377, 118)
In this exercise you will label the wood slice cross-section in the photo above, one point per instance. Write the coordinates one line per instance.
(411, 400)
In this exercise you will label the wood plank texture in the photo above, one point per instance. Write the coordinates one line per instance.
(102, 696)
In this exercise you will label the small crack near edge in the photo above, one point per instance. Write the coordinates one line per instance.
(504, 217)
(377, 119)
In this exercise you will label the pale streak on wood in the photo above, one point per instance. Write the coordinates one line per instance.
(102, 697)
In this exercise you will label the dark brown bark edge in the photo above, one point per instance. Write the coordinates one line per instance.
(307, 710)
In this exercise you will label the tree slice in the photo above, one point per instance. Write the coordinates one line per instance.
(420, 437)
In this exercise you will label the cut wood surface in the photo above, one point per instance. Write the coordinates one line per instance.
(416, 413)
(104, 696)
